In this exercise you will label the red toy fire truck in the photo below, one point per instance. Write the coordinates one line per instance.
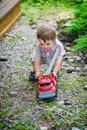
(47, 86)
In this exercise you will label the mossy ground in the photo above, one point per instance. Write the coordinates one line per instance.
(20, 109)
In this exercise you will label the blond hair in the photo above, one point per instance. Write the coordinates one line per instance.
(46, 33)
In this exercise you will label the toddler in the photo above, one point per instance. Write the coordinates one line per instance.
(47, 45)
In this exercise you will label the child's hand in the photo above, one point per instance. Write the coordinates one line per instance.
(37, 74)
(54, 74)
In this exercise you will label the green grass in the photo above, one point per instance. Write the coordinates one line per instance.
(13, 39)
(14, 117)
(36, 11)
(23, 124)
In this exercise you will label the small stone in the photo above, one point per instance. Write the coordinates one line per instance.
(78, 68)
(68, 92)
(67, 103)
(61, 102)
(71, 60)
(68, 48)
(13, 93)
(43, 128)
(70, 69)
(67, 44)
(85, 87)
(60, 110)
(83, 74)
(75, 128)
(65, 58)
(2, 84)
(85, 67)
(77, 58)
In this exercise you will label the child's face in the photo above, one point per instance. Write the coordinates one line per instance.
(48, 44)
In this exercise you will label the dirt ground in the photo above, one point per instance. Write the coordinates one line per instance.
(19, 105)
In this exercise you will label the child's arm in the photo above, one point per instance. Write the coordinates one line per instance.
(57, 66)
(36, 66)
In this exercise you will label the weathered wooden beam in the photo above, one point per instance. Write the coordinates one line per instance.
(9, 13)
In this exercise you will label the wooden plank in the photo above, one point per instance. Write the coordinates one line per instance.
(6, 6)
(9, 20)
(3, 3)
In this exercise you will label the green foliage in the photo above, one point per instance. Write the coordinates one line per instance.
(79, 26)
(23, 124)
(35, 2)
(3, 124)
(81, 43)
(48, 2)
(76, 1)
(13, 39)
